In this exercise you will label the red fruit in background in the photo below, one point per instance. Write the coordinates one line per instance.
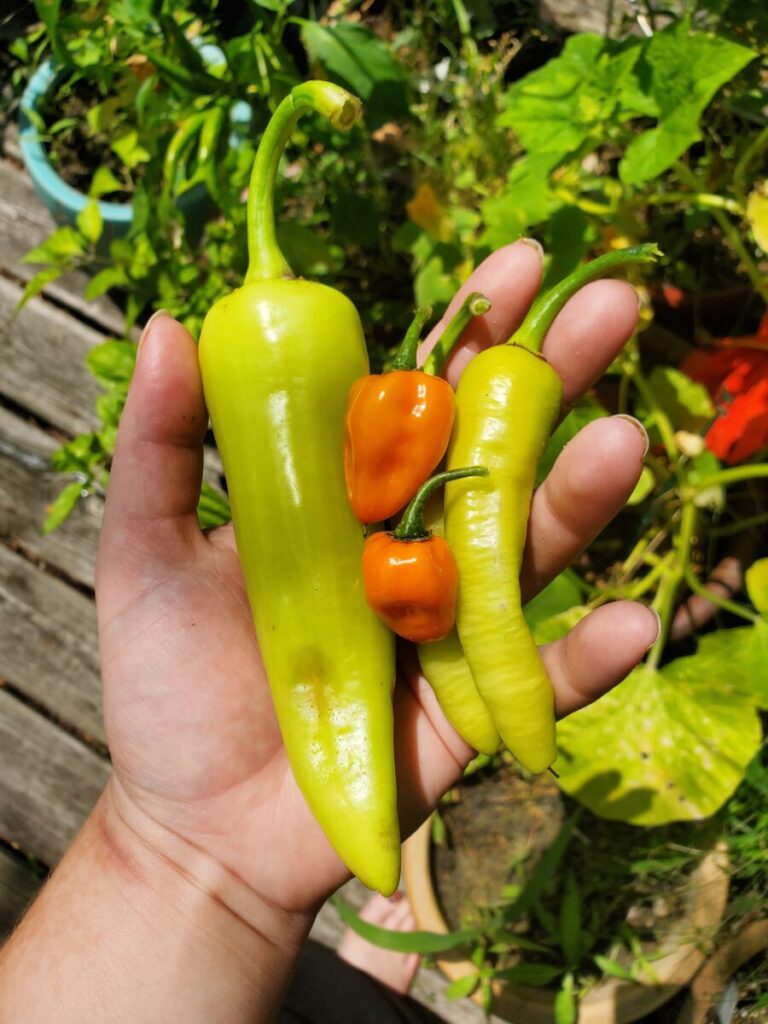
(736, 375)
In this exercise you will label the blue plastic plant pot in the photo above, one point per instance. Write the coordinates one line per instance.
(66, 202)
(62, 200)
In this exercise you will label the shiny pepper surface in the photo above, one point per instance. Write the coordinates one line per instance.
(397, 430)
(278, 357)
(410, 575)
(508, 400)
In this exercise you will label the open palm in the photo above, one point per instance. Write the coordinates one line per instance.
(191, 728)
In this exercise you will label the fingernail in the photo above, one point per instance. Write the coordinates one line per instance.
(639, 428)
(534, 245)
(658, 627)
(155, 316)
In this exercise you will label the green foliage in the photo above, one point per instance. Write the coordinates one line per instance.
(694, 731)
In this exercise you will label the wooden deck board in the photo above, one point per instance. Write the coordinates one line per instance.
(48, 783)
(24, 223)
(18, 886)
(48, 644)
(29, 485)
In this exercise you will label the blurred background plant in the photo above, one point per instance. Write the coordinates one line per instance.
(484, 122)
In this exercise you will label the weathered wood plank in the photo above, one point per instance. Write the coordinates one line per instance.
(49, 644)
(48, 781)
(29, 485)
(18, 887)
(24, 223)
(42, 353)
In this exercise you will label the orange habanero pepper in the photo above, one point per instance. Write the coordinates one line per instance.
(410, 575)
(398, 423)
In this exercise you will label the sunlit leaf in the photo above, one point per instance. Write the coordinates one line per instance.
(62, 506)
(757, 584)
(463, 987)
(757, 215)
(668, 744)
(89, 221)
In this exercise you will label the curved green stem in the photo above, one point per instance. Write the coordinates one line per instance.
(758, 279)
(687, 526)
(412, 526)
(730, 476)
(405, 358)
(660, 418)
(747, 158)
(533, 330)
(704, 200)
(342, 110)
(180, 142)
(474, 305)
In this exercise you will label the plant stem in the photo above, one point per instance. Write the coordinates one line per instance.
(405, 357)
(342, 110)
(725, 477)
(664, 604)
(747, 158)
(531, 333)
(661, 419)
(687, 526)
(474, 305)
(705, 200)
(412, 526)
(759, 281)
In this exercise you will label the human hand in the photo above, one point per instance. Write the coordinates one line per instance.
(194, 741)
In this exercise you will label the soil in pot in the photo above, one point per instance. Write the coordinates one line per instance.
(73, 150)
(632, 882)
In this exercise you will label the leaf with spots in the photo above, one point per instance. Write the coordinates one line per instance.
(667, 744)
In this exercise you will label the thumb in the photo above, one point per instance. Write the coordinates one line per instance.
(150, 519)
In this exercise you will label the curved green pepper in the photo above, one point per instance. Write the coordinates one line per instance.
(278, 357)
(507, 403)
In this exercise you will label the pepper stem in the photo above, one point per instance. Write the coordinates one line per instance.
(412, 525)
(475, 304)
(531, 333)
(405, 357)
(342, 110)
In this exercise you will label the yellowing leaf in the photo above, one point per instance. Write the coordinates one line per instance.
(757, 584)
(426, 211)
(757, 215)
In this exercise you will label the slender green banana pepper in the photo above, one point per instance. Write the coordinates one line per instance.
(507, 403)
(278, 357)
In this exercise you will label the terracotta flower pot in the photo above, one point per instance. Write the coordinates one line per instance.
(613, 1001)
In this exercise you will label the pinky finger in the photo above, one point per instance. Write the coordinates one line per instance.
(598, 653)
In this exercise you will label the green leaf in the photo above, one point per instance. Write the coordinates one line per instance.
(530, 974)
(527, 199)
(89, 221)
(109, 277)
(62, 506)
(543, 874)
(557, 626)
(112, 361)
(355, 219)
(682, 71)
(212, 507)
(612, 969)
(566, 1009)
(558, 596)
(757, 584)
(62, 244)
(667, 744)
(644, 487)
(129, 149)
(463, 987)
(561, 105)
(745, 651)
(355, 57)
(570, 921)
(583, 412)
(103, 182)
(36, 284)
(402, 942)
(307, 253)
(101, 117)
(686, 402)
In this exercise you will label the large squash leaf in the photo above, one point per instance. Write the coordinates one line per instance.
(668, 744)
